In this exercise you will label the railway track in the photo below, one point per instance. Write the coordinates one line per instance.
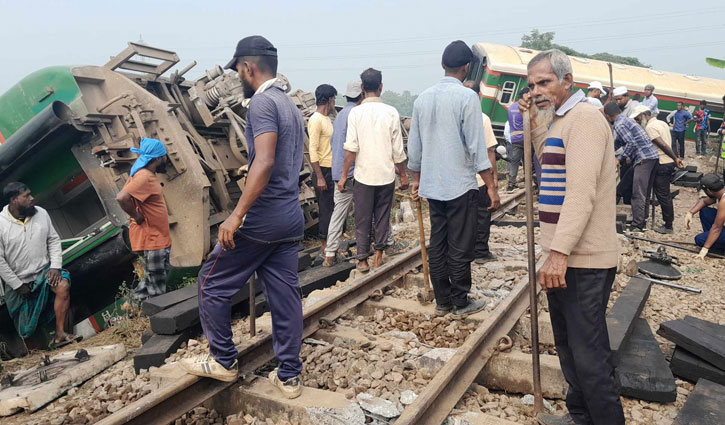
(431, 406)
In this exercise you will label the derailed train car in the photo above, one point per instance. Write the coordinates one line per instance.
(502, 72)
(66, 132)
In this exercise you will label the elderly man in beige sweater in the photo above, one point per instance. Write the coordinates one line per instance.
(577, 212)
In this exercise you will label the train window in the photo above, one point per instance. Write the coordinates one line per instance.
(507, 92)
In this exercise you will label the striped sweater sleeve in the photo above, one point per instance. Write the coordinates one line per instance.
(586, 141)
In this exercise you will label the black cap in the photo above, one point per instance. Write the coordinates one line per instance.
(254, 45)
(711, 182)
(612, 109)
(457, 54)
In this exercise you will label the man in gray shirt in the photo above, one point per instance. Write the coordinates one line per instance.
(446, 150)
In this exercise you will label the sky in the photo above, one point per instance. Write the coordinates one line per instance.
(333, 41)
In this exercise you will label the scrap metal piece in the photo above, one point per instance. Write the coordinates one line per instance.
(661, 256)
(82, 355)
(658, 270)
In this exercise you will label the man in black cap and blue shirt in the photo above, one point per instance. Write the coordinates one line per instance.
(261, 235)
(446, 149)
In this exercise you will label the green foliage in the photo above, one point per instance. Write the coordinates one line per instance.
(717, 63)
(403, 102)
(178, 284)
(545, 40)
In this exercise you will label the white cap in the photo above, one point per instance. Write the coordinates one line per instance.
(596, 85)
(638, 110)
(354, 89)
(619, 91)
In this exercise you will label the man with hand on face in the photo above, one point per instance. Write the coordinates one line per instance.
(712, 219)
(31, 265)
(142, 199)
(577, 216)
(261, 235)
(447, 148)
(319, 129)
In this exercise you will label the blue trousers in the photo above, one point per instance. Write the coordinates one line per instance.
(707, 218)
(225, 272)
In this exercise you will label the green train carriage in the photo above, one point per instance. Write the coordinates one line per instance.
(502, 72)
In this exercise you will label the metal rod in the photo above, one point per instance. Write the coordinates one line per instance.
(671, 245)
(252, 312)
(531, 251)
(671, 285)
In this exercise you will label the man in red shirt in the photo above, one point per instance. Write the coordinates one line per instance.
(141, 198)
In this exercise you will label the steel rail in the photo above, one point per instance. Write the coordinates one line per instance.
(172, 401)
(450, 383)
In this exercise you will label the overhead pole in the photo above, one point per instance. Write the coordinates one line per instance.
(531, 253)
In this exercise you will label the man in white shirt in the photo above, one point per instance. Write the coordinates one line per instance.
(374, 143)
(594, 94)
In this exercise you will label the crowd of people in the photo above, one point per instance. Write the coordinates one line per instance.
(357, 161)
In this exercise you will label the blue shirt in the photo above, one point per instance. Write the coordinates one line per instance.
(276, 216)
(638, 146)
(339, 133)
(446, 142)
(516, 123)
(681, 116)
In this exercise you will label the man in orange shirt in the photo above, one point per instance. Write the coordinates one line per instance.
(141, 198)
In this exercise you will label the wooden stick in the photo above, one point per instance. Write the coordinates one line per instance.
(423, 251)
(533, 296)
(252, 308)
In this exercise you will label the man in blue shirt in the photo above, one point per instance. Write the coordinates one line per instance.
(516, 153)
(446, 149)
(678, 121)
(640, 151)
(261, 235)
(343, 200)
(702, 126)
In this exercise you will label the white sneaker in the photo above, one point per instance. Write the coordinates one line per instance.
(207, 366)
(291, 388)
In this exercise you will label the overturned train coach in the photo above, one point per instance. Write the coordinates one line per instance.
(66, 132)
(501, 71)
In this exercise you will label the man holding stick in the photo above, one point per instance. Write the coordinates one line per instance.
(577, 216)
(447, 148)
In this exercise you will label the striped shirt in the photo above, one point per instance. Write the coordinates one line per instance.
(638, 146)
(577, 191)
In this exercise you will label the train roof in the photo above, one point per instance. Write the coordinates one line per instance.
(513, 60)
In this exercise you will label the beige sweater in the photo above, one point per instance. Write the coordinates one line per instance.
(577, 209)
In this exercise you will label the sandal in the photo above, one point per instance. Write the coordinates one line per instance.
(329, 261)
(363, 268)
(67, 339)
